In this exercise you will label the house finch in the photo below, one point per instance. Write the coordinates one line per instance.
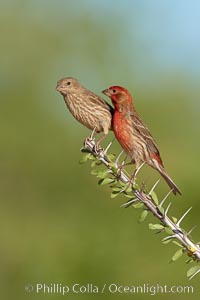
(133, 134)
(86, 107)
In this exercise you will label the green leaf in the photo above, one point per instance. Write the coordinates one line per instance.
(85, 150)
(127, 195)
(114, 184)
(93, 164)
(111, 156)
(98, 162)
(105, 181)
(123, 185)
(178, 244)
(102, 174)
(143, 216)
(136, 187)
(130, 202)
(156, 226)
(161, 209)
(94, 172)
(129, 189)
(177, 254)
(166, 241)
(138, 205)
(174, 219)
(113, 167)
(188, 261)
(84, 158)
(154, 197)
(169, 231)
(115, 194)
(192, 270)
(117, 189)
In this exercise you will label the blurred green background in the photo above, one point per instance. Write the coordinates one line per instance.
(57, 224)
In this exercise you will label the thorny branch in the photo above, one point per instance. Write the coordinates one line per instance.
(176, 232)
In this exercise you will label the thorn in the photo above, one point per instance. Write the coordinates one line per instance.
(118, 157)
(139, 168)
(169, 237)
(181, 219)
(190, 231)
(123, 162)
(154, 186)
(126, 159)
(142, 187)
(92, 134)
(194, 274)
(165, 198)
(109, 145)
(87, 139)
(144, 184)
(133, 176)
(129, 202)
(167, 209)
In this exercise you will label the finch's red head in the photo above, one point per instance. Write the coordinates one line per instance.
(119, 95)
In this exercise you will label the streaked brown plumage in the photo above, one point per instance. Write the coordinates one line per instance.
(86, 107)
(133, 134)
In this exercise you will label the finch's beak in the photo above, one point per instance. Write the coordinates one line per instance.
(58, 87)
(61, 89)
(106, 92)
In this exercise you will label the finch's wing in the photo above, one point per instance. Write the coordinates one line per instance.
(98, 100)
(95, 99)
(144, 133)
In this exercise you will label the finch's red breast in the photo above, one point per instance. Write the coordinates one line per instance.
(122, 128)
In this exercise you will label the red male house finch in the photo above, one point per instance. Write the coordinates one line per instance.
(133, 134)
(86, 107)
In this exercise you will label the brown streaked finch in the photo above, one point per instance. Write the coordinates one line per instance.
(133, 134)
(88, 108)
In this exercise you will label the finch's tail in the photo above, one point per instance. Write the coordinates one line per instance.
(170, 182)
(158, 165)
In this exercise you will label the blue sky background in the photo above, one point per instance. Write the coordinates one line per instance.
(170, 30)
(146, 37)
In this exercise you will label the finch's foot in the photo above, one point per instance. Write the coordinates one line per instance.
(87, 140)
(97, 148)
(91, 138)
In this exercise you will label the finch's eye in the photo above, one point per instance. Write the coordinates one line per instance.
(114, 91)
(68, 83)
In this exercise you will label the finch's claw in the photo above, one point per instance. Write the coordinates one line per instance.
(90, 138)
(97, 148)
(86, 141)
